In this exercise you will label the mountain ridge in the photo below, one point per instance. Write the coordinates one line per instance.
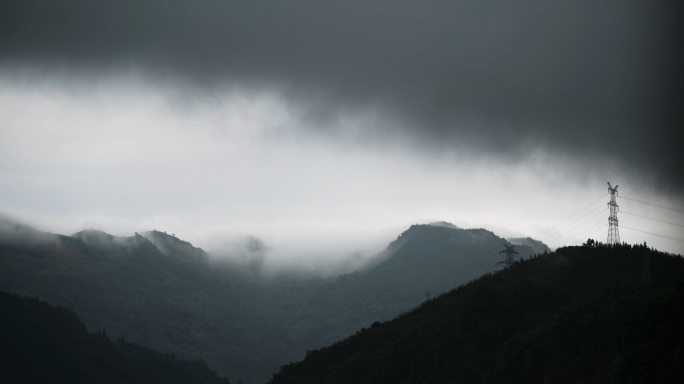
(455, 337)
(158, 291)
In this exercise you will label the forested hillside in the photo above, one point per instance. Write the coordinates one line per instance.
(172, 303)
(159, 291)
(466, 335)
(426, 260)
(624, 338)
(40, 343)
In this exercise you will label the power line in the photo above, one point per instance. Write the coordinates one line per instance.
(591, 218)
(590, 212)
(478, 267)
(655, 205)
(648, 218)
(594, 228)
(594, 202)
(559, 231)
(590, 232)
(654, 234)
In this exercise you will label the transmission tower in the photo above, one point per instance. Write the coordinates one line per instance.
(510, 253)
(613, 231)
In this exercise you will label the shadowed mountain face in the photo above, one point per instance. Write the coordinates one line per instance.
(40, 343)
(466, 335)
(424, 261)
(536, 245)
(159, 291)
(129, 287)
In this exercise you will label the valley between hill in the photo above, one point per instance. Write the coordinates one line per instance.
(161, 292)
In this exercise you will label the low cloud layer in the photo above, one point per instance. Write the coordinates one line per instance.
(14, 233)
(126, 157)
(325, 130)
(586, 80)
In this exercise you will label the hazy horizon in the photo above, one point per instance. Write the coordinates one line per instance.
(325, 130)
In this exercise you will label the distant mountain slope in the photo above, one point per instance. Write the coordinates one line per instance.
(455, 338)
(424, 260)
(160, 291)
(129, 287)
(40, 343)
(536, 245)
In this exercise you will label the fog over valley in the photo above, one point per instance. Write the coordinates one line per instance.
(366, 191)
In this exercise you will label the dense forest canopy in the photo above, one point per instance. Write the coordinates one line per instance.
(41, 343)
(615, 328)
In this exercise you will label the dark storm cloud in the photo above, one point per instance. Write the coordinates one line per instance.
(585, 79)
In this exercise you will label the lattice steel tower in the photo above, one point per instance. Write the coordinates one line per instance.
(510, 253)
(613, 230)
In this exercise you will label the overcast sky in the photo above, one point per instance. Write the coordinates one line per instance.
(327, 128)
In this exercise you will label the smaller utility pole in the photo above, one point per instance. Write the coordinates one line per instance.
(508, 262)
